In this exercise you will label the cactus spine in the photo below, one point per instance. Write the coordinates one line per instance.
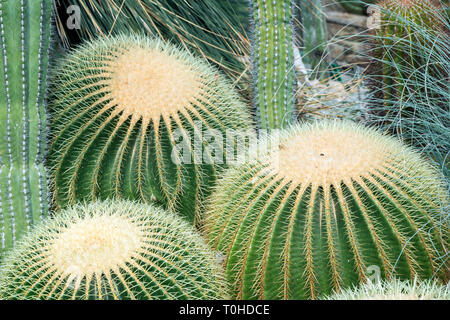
(332, 200)
(273, 62)
(119, 109)
(24, 45)
(402, 52)
(112, 250)
(395, 290)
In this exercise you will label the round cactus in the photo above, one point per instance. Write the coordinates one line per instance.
(395, 290)
(112, 250)
(120, 108)
(330, 202)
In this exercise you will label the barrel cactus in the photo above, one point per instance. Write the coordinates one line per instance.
(405, 50)
(24, 49)
(274, 78)
(119, 108)
(330, 202)
(112, 250)
(395, 290)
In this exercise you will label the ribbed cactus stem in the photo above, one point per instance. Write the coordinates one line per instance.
(24, 39)
(273, 62)
(120, 107)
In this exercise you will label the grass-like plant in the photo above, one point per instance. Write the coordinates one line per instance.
(131, 118)
(356, 6)
(112, 250)
(395, 290)
(332, 200)
(209, 28)
(24, 50)
(409, 76)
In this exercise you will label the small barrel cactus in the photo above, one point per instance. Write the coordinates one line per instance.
(24, 49)
(112, 250)
(395, 290)
(331, 201)
(119, 107)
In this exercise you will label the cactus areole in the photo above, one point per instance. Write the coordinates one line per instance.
(332, 204)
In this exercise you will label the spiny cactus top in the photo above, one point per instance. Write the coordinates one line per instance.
(395, 290)
(331, 201)
(119, 108)
(24, 49)
(112, 250)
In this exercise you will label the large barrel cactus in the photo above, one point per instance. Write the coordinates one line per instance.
(24, 49)
(331, 202)
(112, 250)
(133, 117)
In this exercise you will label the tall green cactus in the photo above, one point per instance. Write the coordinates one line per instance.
(119, 108)
(24, 44)
(330, 203)
(112, 250)
(273, 62)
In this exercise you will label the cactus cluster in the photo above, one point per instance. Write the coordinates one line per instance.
(112, 250)
(330, 201)
(274, 78)
(120, 107)
(24, 44)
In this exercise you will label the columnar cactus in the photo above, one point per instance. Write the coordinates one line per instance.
(395, 290)
(273, 62)
(330, 203)
(402, 51)
(24, 45)
(112, 250)
(119, 108)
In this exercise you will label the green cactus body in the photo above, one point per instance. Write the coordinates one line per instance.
(121, 108)
(24, 45)
(356, 6)
(331, 202)
(112, 250)
(273, 63)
